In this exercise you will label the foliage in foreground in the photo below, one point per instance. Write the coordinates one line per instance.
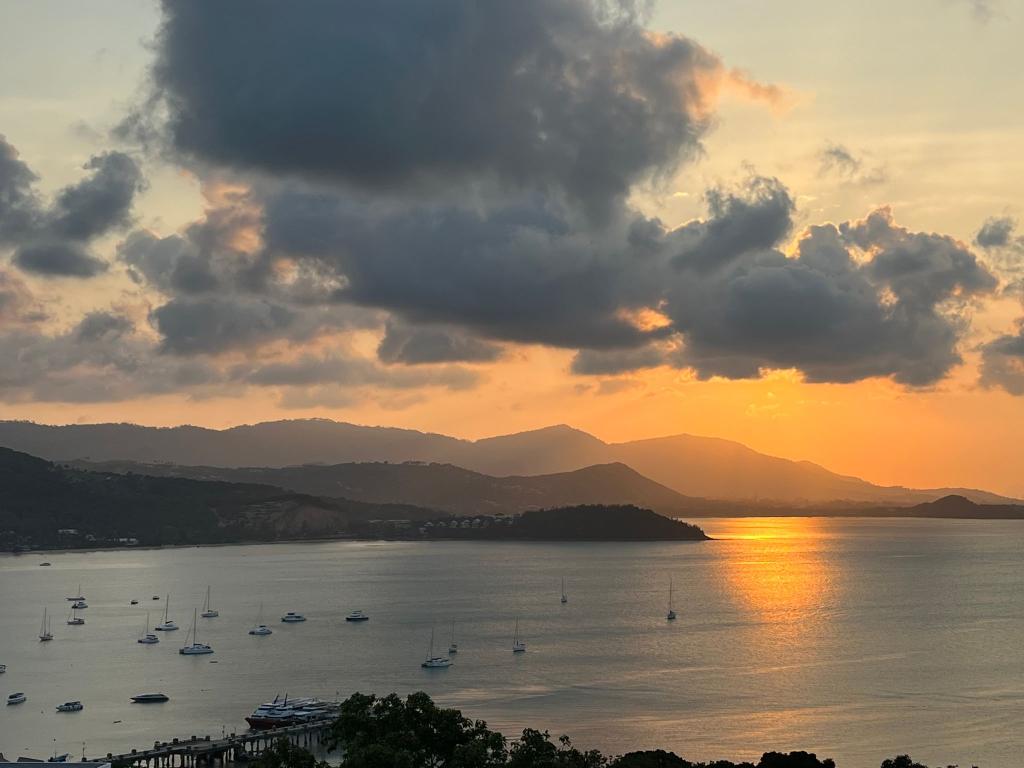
(391, 732)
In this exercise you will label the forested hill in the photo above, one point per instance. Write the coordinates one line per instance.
(38, 499)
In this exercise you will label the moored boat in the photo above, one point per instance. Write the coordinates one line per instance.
(209, 612)
(167, 625)
(150, 698)
(293, 618)
(195, 648)
(357, 616)
(70, 706)
(17, 698)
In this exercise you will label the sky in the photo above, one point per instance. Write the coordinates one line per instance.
(793, 224)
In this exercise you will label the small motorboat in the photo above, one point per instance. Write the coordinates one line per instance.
(156, 597)
(44, 565)
(293, 618)
(260, 630)
(79, 605)
(17, 698)
(70, 706)
(134, 602)
(150, 698)
(3, 668)
(357, 616)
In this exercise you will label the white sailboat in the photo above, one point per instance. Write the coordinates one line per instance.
(147, 637)
(260, 628)
(44, 629)
(78, 595)
(565, 599)
(195, 648)
(453, 647)
(432, 661)
(671, 615)
(209, 612)
(167, 625)
(74, 619)
(518, 644)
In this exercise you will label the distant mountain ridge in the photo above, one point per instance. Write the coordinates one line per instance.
(693, 466)
(438, 486)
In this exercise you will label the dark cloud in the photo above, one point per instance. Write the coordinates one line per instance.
(838, 161)
(433, 344)
(1002, 363)
(103, 325)
(203, 326)
(19, 207)
(996, 232)
(528, 272)
(99, 203)
(339, 371)
(59, 258)
(828, 314)
(592, 362)
(758, 216)
(17, 304)
(53, 240)
(567, 95)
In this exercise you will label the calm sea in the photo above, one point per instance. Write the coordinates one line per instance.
(852, 638)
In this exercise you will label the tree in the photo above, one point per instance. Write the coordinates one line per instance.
(535, 749)
(390, 732)
(283, 754)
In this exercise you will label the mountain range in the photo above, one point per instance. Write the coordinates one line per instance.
(692, 466)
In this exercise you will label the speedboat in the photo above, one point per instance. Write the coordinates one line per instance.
(150, 698)
(17, 698)
(293, 618)
(70, 706)
(156, 597)
(261, 629)
(44, 565)
(357, 616)
(436, 662)
(79, 605)
(3, 668)
(134, 602)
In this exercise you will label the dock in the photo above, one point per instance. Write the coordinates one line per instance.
(207, 751)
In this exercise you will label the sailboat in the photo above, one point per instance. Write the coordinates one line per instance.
(208, 611)
(671, 615)
(564, 598)
(74, 619)
(432, 661)
(260, 629)
(78, 595)
(453, 647)
(147, 637)
(167, 625)
(195, 648)
(518, 644)
(44, 629)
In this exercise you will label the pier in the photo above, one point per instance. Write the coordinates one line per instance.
(207, 751)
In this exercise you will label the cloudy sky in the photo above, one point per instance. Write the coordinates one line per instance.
(792, 224)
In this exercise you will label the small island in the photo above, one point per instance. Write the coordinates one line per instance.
(586, 522)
